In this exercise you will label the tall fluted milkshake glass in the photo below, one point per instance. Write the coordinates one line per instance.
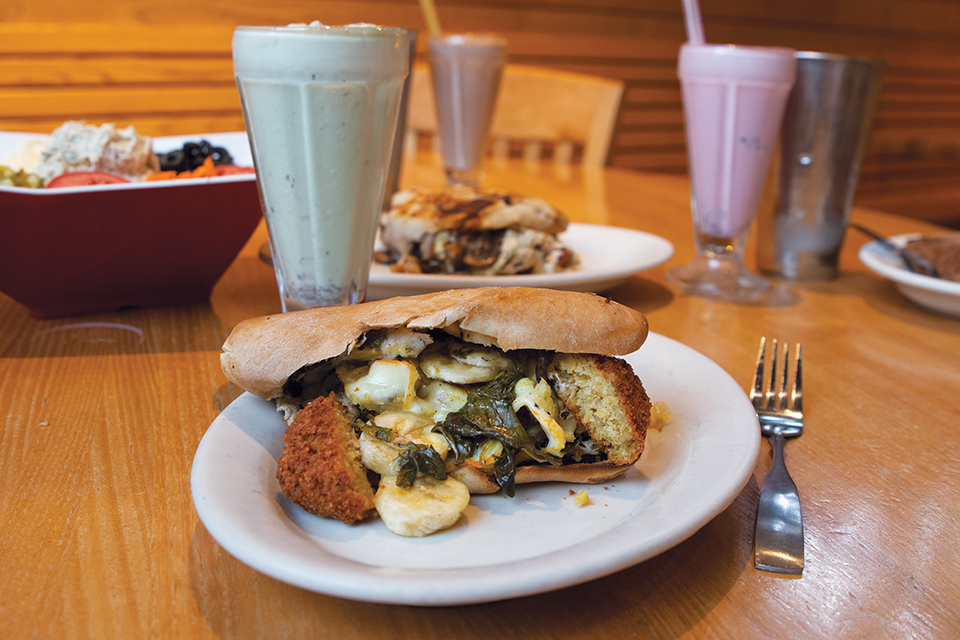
(466, 72)
(733, 102)
(320, 105)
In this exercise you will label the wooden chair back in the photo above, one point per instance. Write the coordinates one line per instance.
(540, 112)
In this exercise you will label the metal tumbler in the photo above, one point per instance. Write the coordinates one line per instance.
(822, 140)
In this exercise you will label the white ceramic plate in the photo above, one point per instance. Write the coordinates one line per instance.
(933, 293)
(502, 547)
(608, 256)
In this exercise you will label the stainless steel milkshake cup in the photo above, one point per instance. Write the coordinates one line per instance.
(825, 130)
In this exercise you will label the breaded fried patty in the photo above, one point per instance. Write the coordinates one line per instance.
(607, 397)
(320, 468)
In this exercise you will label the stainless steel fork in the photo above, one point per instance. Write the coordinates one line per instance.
(778, 542)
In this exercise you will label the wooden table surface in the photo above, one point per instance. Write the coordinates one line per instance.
(102, 416)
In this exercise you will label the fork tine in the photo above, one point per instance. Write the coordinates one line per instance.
(796, 396)
(757, 391)
(771, 400)
(783, 373)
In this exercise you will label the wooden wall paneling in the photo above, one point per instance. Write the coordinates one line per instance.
(404, 13)
(166, 67)
(123, 100)
(84, 38)
(101, 69)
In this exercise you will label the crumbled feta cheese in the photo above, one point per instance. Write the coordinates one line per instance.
(75, 146)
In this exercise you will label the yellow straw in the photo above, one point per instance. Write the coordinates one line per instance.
(430, 17)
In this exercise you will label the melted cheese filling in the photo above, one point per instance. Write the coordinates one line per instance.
(410, 405)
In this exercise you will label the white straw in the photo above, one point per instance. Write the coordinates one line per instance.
(691, 13)
(430, 17)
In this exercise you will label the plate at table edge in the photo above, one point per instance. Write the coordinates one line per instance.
(608, 255)
(933, 293)
(501, 548)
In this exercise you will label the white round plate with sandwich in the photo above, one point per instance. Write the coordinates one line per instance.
(936, 294)
(608, 256)
(538, 541)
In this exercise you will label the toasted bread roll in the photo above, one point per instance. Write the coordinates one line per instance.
(416, 212)
(480, 483)
(262, 353)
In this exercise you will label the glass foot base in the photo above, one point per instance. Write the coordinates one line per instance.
(718, 278)
(463, 177)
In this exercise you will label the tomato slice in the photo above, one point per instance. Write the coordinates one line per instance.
(83, 178)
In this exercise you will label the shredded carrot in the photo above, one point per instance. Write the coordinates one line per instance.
(479, 464)
(205, 170)
(163, 175)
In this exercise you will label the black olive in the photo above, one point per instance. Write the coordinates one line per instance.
(220, 156)
(192, 155)
(172, 161)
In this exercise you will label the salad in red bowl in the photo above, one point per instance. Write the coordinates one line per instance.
(96, 238)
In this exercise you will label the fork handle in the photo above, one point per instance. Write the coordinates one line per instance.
(778, 542)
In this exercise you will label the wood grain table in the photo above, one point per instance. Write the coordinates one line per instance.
(101, 416)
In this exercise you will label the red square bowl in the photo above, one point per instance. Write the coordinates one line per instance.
(99, 248)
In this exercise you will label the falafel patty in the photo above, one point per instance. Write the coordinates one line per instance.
(320, 468)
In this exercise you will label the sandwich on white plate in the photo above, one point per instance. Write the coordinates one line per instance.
(404, 407)
(473, 231)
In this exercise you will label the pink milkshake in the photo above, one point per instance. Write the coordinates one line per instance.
(733, 102)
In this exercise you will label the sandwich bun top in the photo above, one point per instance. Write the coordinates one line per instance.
(415, 212)
(261, 353)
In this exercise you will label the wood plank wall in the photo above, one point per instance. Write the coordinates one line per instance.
(165, 67)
